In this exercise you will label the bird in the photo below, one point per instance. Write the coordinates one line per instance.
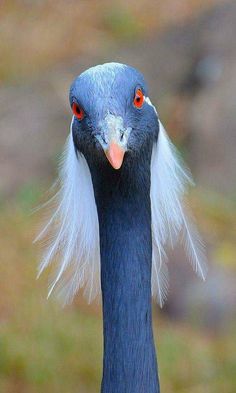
(120, 203)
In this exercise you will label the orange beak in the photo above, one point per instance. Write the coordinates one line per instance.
(115, 155)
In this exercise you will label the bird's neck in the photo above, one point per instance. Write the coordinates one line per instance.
(124, 214)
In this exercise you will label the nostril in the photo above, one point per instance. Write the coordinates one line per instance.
(121, 136)
(103, 138)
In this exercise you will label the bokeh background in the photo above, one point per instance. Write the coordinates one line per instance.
(187, 51)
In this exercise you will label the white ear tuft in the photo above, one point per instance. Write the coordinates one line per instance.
(169, 181)
(75, 228)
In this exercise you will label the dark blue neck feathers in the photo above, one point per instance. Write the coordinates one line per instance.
(124, 213)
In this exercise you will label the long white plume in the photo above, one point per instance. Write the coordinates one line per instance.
(170, 221)
(74, 224)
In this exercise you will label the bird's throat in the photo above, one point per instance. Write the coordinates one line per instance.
(124, 213)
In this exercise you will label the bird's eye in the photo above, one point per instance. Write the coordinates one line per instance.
(78, 111)
(138, 98)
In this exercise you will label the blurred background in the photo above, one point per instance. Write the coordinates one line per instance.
(187, 51)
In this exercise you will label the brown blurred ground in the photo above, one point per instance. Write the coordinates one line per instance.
(187, 52)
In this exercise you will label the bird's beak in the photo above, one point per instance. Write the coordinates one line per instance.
(115, 154)
(114, 140)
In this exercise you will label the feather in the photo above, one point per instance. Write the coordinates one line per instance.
(169, 182)
(74, 222)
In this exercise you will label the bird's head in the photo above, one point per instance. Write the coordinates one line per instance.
(112, 113)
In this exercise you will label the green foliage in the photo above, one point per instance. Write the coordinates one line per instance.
(28, 196)
(121, 23)
(192, 361)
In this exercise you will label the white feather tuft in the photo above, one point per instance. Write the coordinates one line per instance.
(74, 223)
(75, 227)
(169, 181)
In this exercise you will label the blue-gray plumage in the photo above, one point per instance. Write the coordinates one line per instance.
(109, 91)
(124, 213)
(120, 204)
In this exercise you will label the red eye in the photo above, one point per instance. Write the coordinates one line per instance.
(138, 98)
(78, 111)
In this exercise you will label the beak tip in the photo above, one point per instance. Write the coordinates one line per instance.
(115, 155)
(117, 165)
